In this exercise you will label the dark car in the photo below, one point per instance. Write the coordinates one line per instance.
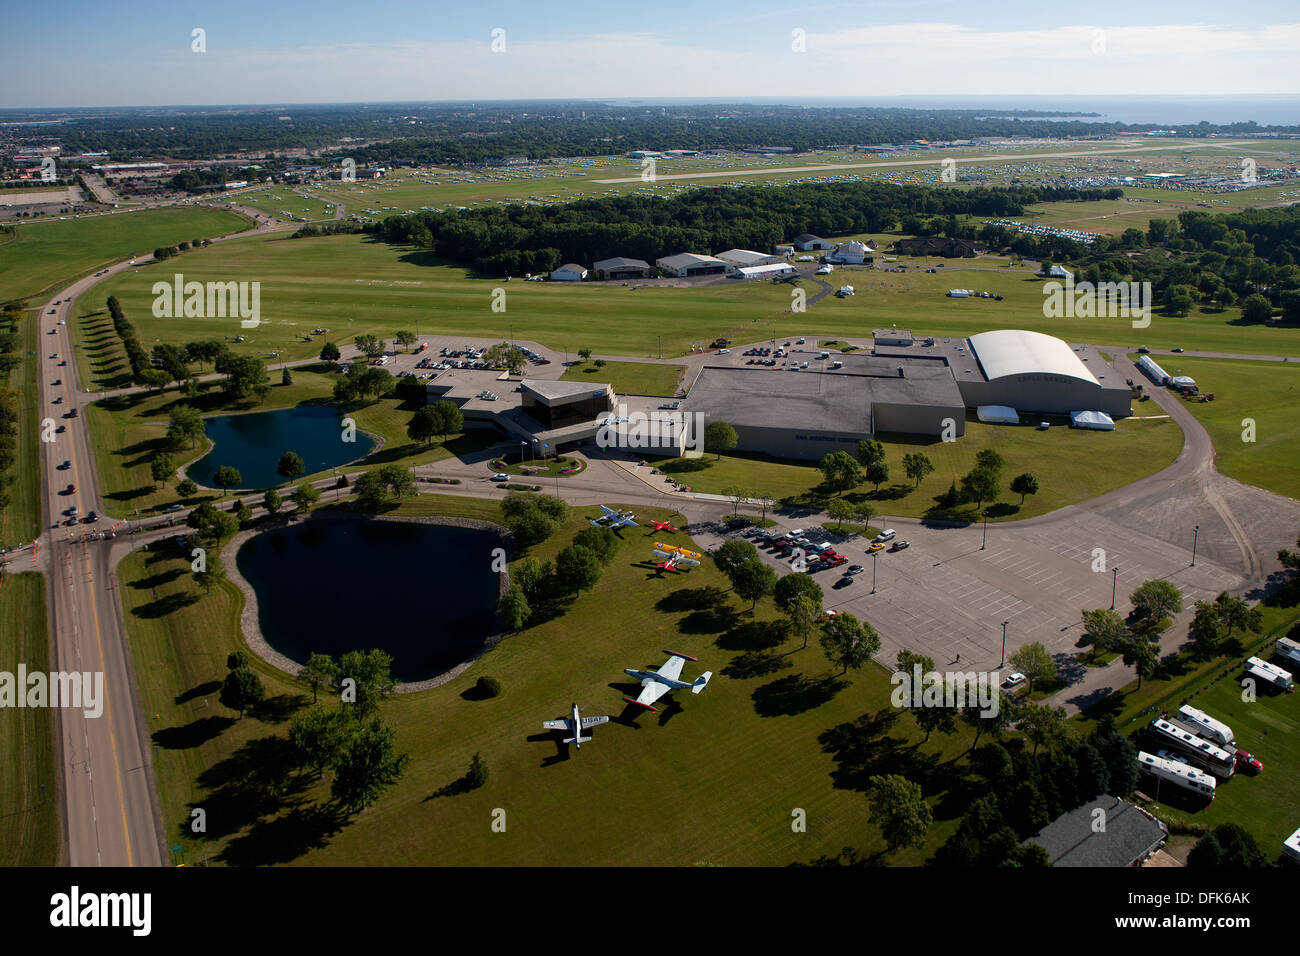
(900, 545)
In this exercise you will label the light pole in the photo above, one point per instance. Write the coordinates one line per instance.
(874, 555)
(1004, 643)
(521, 454)
(1114, 583)
(986, 530)
(1195, 534)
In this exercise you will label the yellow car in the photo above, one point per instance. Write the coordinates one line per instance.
(876, 546)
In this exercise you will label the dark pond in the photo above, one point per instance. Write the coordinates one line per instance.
(254, 443)
(425, 593)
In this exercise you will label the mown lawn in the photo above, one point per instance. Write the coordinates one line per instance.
(722, 771)
(1249, 393)
(32, 834)
(47, 251)
(628, 378)
(20, 519)
(1071, 465)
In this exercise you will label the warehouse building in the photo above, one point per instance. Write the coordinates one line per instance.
(747, 258)
(687, 264)
(622, 268)
(569, 272)
(807, 242)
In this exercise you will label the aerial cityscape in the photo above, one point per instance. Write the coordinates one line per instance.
(897, 473)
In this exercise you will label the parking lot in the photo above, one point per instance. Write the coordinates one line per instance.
(946, 596)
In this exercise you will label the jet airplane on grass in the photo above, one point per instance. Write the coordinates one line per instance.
(575, 724)
(613, 519)
(654, 684)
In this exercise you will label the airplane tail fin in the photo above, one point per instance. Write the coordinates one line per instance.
(579, 739)
(701, 682)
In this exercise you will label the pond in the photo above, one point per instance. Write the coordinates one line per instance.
(253, 444)
(424, 593)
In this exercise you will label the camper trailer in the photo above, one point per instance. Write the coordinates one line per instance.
(1267, 673)
(1181, 775)
(1197, 749)
(1288, 650)
(1206, 726)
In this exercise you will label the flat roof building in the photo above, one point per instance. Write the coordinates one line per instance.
(557, 403)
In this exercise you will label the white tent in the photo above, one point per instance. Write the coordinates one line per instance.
(998, 414)
(1097, 420)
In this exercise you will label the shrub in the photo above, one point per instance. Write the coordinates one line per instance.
(487, 687)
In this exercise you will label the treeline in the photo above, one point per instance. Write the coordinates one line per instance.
(10, 346)
(328, 229)
(195, 180)
(1249, 258)
(141, 368)
(509, 240)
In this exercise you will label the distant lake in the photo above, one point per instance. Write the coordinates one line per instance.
(425, 593)
(254, 443)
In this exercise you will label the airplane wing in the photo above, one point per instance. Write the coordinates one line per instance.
(628, 522)
(687, 563)
(673, 669)
(594, 721)
(609, 512)
(560, 723)
(651, 691)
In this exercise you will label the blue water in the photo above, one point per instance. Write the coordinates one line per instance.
(425, 593)
(254, 443)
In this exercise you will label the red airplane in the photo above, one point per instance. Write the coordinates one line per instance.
(664, 526)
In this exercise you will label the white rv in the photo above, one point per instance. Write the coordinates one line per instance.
(1205, 754)
(1288, 650)
(1206, 726)
(1268, 673)
(1181, 775)
(1292, 846)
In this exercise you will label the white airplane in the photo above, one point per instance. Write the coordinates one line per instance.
(675, 561)
(613, 519)
(654, 684)
(576, 725)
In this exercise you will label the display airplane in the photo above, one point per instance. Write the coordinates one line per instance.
(575, 724)
(654, 684)
(675, 562)
(613, 519)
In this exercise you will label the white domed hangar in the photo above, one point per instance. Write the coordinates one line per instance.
(1028, 372)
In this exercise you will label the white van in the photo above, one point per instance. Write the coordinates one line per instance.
(889, 534)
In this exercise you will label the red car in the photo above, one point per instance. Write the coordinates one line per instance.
(71, 490)
(1247, 760)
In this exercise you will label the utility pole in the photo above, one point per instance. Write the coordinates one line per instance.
(874, 555)
(1195, 534)
(1113, 585)
(1004, 643)
(986, 530)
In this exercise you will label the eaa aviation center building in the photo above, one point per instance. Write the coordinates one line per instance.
(904, 386)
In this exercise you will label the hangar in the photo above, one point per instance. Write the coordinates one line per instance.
(687, 264)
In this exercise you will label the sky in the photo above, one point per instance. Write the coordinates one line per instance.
(290, 51)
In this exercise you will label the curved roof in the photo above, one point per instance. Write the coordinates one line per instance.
(1017, 352)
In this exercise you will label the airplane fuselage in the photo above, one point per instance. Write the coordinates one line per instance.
(651, 675)
(577, 726)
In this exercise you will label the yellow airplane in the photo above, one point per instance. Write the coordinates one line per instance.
(682, 551)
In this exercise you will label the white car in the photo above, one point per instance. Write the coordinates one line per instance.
(887, 535)
(500, 476)
(1014, 681)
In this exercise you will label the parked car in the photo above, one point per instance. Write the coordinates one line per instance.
(855, 569)
(900, 545)
(1248, 760)
(1013, 681)
(887, 535)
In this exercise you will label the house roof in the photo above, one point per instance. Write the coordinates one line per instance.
(1129, 835)
(807, 237)
(572, 267)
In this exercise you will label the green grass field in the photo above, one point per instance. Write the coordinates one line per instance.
(47, 252)
(1071, 465)
(1264, 393)
(629, 378)
(353, 285)
(759, 721)
(129, 428)
(20, 520)
(32, 834)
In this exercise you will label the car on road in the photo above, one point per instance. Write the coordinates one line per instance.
(72, 413)
(64, 362)
(900, 545)
(500, 476)
(1014, 681)
(61, 428)
(887, 535)
(58, 400)
(57, 381)
(1248, 760)
(1179, 351)
(91, 517)
(1143, 350)
(172, 509)
(70, 490)
(67, 463)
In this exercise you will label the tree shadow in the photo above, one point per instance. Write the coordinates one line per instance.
(158, 580)
(192, 734)
(752, 664)
(708, 622)
(863, 749)
(754, 636)
(287, 837)
(795, 694)
(691, 599)
(198, 690)
(168, 604)
(278, 709)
